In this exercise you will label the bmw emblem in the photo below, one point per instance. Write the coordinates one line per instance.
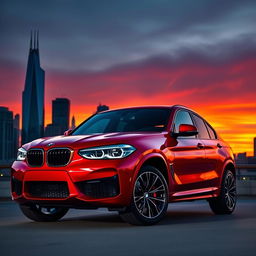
(50, 144)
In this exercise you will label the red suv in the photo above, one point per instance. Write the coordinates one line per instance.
(132, 160)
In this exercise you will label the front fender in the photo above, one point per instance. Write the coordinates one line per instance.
(147, 156)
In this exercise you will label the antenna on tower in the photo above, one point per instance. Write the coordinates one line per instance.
(37, 40)
(34, 39)
(30, 47)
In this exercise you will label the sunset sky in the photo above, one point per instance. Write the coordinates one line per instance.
(201, 54)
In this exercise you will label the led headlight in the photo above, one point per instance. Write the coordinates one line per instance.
(107, 152)
(22, 153)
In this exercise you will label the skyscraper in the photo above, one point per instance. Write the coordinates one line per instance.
(60, 117)
(16, 131)
(8, 136)
(254, 146)
(33, 95)
(60, 113)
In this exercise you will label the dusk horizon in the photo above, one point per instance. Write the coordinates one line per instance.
(139, 54)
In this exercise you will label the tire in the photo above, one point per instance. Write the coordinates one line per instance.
(149, 200)
(43, 214)
(225, 203)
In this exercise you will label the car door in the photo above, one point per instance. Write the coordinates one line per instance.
(189, 155)
(213, 148)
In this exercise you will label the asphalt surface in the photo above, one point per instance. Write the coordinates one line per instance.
(188, 229)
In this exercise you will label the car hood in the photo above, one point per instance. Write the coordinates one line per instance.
(79, 141)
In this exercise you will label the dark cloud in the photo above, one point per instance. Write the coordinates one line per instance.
(160, 81)
(95, 35)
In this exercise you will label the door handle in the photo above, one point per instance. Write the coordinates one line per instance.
(219, 145)
(200, 146)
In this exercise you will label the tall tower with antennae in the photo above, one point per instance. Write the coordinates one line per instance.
(33, 94)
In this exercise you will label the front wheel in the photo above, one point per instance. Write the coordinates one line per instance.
(225, 203)
(150, 198)
(43, 214)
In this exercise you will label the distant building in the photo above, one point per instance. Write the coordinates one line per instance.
(60, 117)
(73, 123)
(33, 95)
(254, 146)
(101, 108)
(241, 158)
(16, 131)
(52, 130)
(60, 113)
(8, 136)
(251, 159)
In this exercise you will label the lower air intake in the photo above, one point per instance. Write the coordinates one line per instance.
(47, 189)
(100, 188)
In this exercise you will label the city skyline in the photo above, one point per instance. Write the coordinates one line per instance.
(201, 55)
(49, 128)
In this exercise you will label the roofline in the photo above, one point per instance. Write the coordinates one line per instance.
(134, 107)
(183, 107)
(150, 106)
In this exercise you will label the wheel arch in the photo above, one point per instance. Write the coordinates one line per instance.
(229, 165)
(157, 161)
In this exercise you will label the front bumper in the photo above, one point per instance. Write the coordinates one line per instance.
(74, 186)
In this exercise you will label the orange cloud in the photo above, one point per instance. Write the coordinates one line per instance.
(222, 93)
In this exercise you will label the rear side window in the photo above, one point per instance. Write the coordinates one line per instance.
(201, 128)
(211, 132)
(182, 117)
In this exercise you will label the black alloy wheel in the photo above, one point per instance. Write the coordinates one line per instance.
(225, 203)
(150, 198)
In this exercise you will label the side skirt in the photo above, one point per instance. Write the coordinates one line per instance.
(194, 194)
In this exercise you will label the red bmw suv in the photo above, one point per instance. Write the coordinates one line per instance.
(132, 160)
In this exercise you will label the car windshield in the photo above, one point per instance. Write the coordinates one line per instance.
(126, 120)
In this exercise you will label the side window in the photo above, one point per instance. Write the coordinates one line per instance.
(201, 128)
(182, 117)
(211, 132)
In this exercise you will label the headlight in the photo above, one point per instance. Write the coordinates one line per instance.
(22, 153)
(107, 152)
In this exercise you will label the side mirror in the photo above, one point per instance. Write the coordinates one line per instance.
(68, 132)
(186, 130)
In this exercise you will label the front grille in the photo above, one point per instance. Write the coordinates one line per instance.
(35, 157)
(47, 189)
(100, 188)
(16, 186)
(58, 156)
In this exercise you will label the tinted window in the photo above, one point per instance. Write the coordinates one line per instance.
(211, 132)
(182, 117)
(99, 126)
(201, 128)
(126, 120)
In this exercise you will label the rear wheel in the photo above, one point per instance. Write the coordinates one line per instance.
(150, 198)
(225, 203)
(43, 214)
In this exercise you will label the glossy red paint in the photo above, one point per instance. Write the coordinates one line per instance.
(192, 166)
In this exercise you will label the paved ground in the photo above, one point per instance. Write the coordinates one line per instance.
(188, 229)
